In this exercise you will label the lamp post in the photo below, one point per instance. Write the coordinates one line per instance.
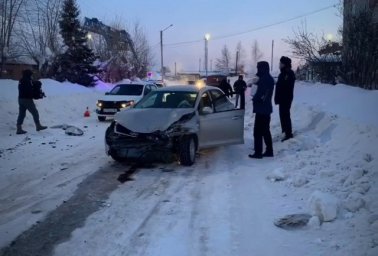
(161, 51)
(207, 38)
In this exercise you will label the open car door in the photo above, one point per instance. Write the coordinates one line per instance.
(224, 125)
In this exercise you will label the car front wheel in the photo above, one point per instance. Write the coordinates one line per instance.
(117, 158)
(188, 150)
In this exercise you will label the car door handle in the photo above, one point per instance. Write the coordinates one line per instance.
(236, 117)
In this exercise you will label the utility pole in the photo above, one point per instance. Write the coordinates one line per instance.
(236, 63)
(271, 61)
(175, 69)
(199, 66)
(161, 55)
(161, 51)
(207, 38)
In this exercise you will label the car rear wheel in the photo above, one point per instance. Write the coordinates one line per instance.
(101, 118)
(188, 150)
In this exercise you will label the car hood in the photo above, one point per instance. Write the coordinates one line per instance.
(150, 120)
(121, 98)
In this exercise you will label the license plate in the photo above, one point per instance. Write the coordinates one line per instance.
(110, 110)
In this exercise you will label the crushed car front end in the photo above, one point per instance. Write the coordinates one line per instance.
(122, 143)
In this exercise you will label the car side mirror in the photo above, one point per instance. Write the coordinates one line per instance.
(207, 110)
(107, 93)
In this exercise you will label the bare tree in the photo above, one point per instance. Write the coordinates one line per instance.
(223, 63)
(256, 55)
(118, 59)
(305, 45)
(38, 30)
(321, 56)
(9, 13)
(142, 48)
(240, 51)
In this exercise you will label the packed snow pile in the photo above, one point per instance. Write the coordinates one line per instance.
(277, 175)
(225, 205)
(39, 170)
(324, 206)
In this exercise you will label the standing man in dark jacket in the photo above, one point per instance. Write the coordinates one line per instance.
(25, 102)
(239, 87)
(284, 95)
(225, 87)
(262, 107)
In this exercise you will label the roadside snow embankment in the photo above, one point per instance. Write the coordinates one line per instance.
(39, 170)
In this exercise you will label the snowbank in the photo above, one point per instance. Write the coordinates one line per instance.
(345, 101)
(40, 170)
(224, 205)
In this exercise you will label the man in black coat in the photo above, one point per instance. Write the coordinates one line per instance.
(262, 107)
(25, 102)
(284, 95)
(225, 87)
(239, 87)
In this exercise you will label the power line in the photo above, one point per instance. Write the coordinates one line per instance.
(256, 29)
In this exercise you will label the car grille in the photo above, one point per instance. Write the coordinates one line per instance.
(111, 104)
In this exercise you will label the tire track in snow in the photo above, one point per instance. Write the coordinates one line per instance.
(58, 225)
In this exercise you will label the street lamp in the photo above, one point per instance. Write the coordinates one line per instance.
(329, 37)
(207, 38)
(161, 51)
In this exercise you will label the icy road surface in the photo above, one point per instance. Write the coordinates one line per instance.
(63, 198)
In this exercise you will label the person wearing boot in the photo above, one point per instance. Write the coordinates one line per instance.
(25, 102)
(262, 107)
(284, 96)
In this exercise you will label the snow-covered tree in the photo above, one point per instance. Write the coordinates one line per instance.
(76, 63)
(223, 63)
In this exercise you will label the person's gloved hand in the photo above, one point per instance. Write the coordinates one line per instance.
(255, 80)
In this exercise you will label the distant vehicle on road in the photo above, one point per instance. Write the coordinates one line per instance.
(214, 80)
(176, 119)
(122, 96)
(158, 83)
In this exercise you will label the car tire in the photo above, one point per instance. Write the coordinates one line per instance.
(188, 150)
(113, 153)
(117, 158)
(101, 118)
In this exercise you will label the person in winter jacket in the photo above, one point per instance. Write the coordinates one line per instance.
(25, 102)
(225, 87)
(262, 107)
(239, 87)
(284, 95)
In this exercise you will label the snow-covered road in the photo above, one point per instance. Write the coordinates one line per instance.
(223, 205)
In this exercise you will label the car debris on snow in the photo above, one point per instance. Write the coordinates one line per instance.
(69, 129)
(293, 221)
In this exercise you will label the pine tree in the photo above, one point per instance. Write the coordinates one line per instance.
(76, 63)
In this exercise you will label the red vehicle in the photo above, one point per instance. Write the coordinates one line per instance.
(214, 80)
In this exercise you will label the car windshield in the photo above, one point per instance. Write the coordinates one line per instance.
(127, 89)
(164, 99)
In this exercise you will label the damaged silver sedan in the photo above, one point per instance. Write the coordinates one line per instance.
(177, 121)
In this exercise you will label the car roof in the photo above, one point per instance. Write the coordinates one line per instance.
(136, 83)
(186, 88)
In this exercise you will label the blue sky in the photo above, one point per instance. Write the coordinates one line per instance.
(192, 19)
